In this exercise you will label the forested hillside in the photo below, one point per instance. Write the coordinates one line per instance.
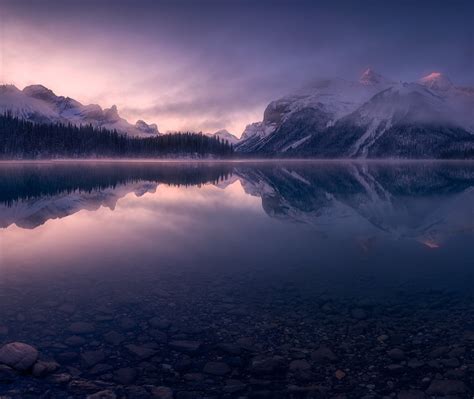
(21, 139)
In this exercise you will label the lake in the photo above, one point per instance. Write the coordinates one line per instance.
(238, 279)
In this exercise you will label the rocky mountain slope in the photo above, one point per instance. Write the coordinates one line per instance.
(374, 117)
(39, 104)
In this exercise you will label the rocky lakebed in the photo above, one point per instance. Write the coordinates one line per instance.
(247, 280)
(229, 337)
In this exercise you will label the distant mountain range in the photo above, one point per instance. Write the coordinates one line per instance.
(374, 117)
(39, 104)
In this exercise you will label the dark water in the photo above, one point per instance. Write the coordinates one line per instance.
(320, 280)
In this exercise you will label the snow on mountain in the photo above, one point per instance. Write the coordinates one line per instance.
(317, 106)
(336, 98)
(459, 100)
(225, 135)
(434, 102)
(258, 129)
(39, 104)
(339, 118)
(372, 78)
(436, 81)
(18, 103)
(146, 128)
(403, 103)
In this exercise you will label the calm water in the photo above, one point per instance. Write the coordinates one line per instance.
(283, 263)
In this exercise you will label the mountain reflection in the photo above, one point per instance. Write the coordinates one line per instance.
(424, 201)
(31, 194)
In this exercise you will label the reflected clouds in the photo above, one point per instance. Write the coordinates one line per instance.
(421, 201)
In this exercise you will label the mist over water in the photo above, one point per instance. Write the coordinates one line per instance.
(290, 256)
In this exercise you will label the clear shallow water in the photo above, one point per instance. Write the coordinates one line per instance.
(275, 260)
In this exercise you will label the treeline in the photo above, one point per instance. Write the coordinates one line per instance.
(21, 139)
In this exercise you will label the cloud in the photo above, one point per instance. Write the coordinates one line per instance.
(216, 64)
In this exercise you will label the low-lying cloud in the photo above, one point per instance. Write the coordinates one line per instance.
(213, 64)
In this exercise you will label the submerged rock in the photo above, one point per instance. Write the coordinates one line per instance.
(396, 354)
(159, 323)
(75, 340)
(141, 352)
(81, 327)
(126, 375)
(446, 387)
(233, 386)
(7, 374)
(217, 368)
(41, 369)
(339, 374)
(106, 394)
(18, 355)
(161, 392)
(411, 394)
(91, 358)
(359, 314)
(300, 365)
(267, 365)
(323, 354)
(185, 346)
(114, 338)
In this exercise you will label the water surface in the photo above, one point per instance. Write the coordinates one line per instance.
(274, 260)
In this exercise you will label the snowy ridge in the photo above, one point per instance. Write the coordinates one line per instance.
(39, 104)
(339, 118)
(225, 135)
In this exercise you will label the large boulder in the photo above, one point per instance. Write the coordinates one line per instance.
(18, 355)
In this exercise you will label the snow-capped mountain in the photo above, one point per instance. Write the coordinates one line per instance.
(225, 135)
(39, 104)
(436, 81)
(374, 117)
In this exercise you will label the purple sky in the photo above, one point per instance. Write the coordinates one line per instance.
(207, 65)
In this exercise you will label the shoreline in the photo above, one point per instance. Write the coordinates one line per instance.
(240, 160)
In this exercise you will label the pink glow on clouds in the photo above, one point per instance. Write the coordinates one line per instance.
(113, 70)
(217, 64)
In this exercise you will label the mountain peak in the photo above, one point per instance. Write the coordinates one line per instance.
(437, 81)
(7, 88)
(146, 128)
(370, 77)
(111, 114)
(224, 134)
(40, 92)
